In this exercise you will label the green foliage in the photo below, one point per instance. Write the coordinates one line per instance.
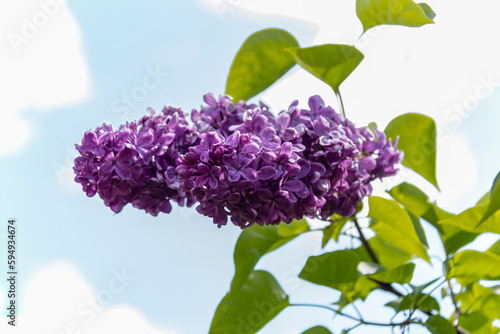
(317, 330)
(401, 275)
(261, 60)
(417, 138)
(256, 241)
(471, 266)
(395, 12)
(494, 200)
(337, 270)
(477, 323)
(439, 325)
(424, 303)
(417, 203)
(479, 307)
(394, 226)
(258, 301)
(333, 230)
(428, 10)
(331, 63)
(471, 220)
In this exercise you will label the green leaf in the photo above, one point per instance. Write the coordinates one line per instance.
(469, 220)
(402, 274)
(395, 227)
(495, 248)
(481, 299)
(417, 203)
(256, 241)
(327, 234)
(425, 303)
(419, 229)
(337, 270)
(394, 12)
(477, 323)
(469, 266)
(317, 330)
(363, 287)
(485, 199)
(418, 289)
(494, 200)
(331, 63)
(333, 231)
(439, 325)
(258, 302)
(417, 138)
(428, 10)
(261, 60)
(455, 238)
(389, 256)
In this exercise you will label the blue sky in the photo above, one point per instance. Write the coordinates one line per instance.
(73, 75)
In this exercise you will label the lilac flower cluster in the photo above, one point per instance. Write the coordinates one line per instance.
(255, 167)
(137, 163)
(237, 161)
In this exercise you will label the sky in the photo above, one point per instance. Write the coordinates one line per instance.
(68, 66)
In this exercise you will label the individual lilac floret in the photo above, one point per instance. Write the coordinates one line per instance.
(136, 162)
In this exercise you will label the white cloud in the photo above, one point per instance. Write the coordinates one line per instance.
(58, 300)
(41, 62)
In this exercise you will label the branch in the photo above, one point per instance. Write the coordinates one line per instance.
(383, 286)
(361, 321)
(389, 288)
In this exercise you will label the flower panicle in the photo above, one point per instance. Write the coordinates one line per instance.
(238, 161)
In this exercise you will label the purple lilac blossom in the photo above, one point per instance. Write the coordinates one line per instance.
(268, 169)
(136, 163)
(239, 161)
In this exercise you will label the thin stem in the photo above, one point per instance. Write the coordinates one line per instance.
(327, 308)
(384, 286)
(359, 38)
(341, 104)
(361, 321)
(365, 242)
(357, 310)
(456, 314)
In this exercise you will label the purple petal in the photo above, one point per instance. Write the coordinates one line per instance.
(251, 148)
(367, 163)
(146, 139)
(210, 99)
(267, 172)
(105, 171)
(264, 195)
(234, 175)
(249, 174)
(123, 170)
(293, 185)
